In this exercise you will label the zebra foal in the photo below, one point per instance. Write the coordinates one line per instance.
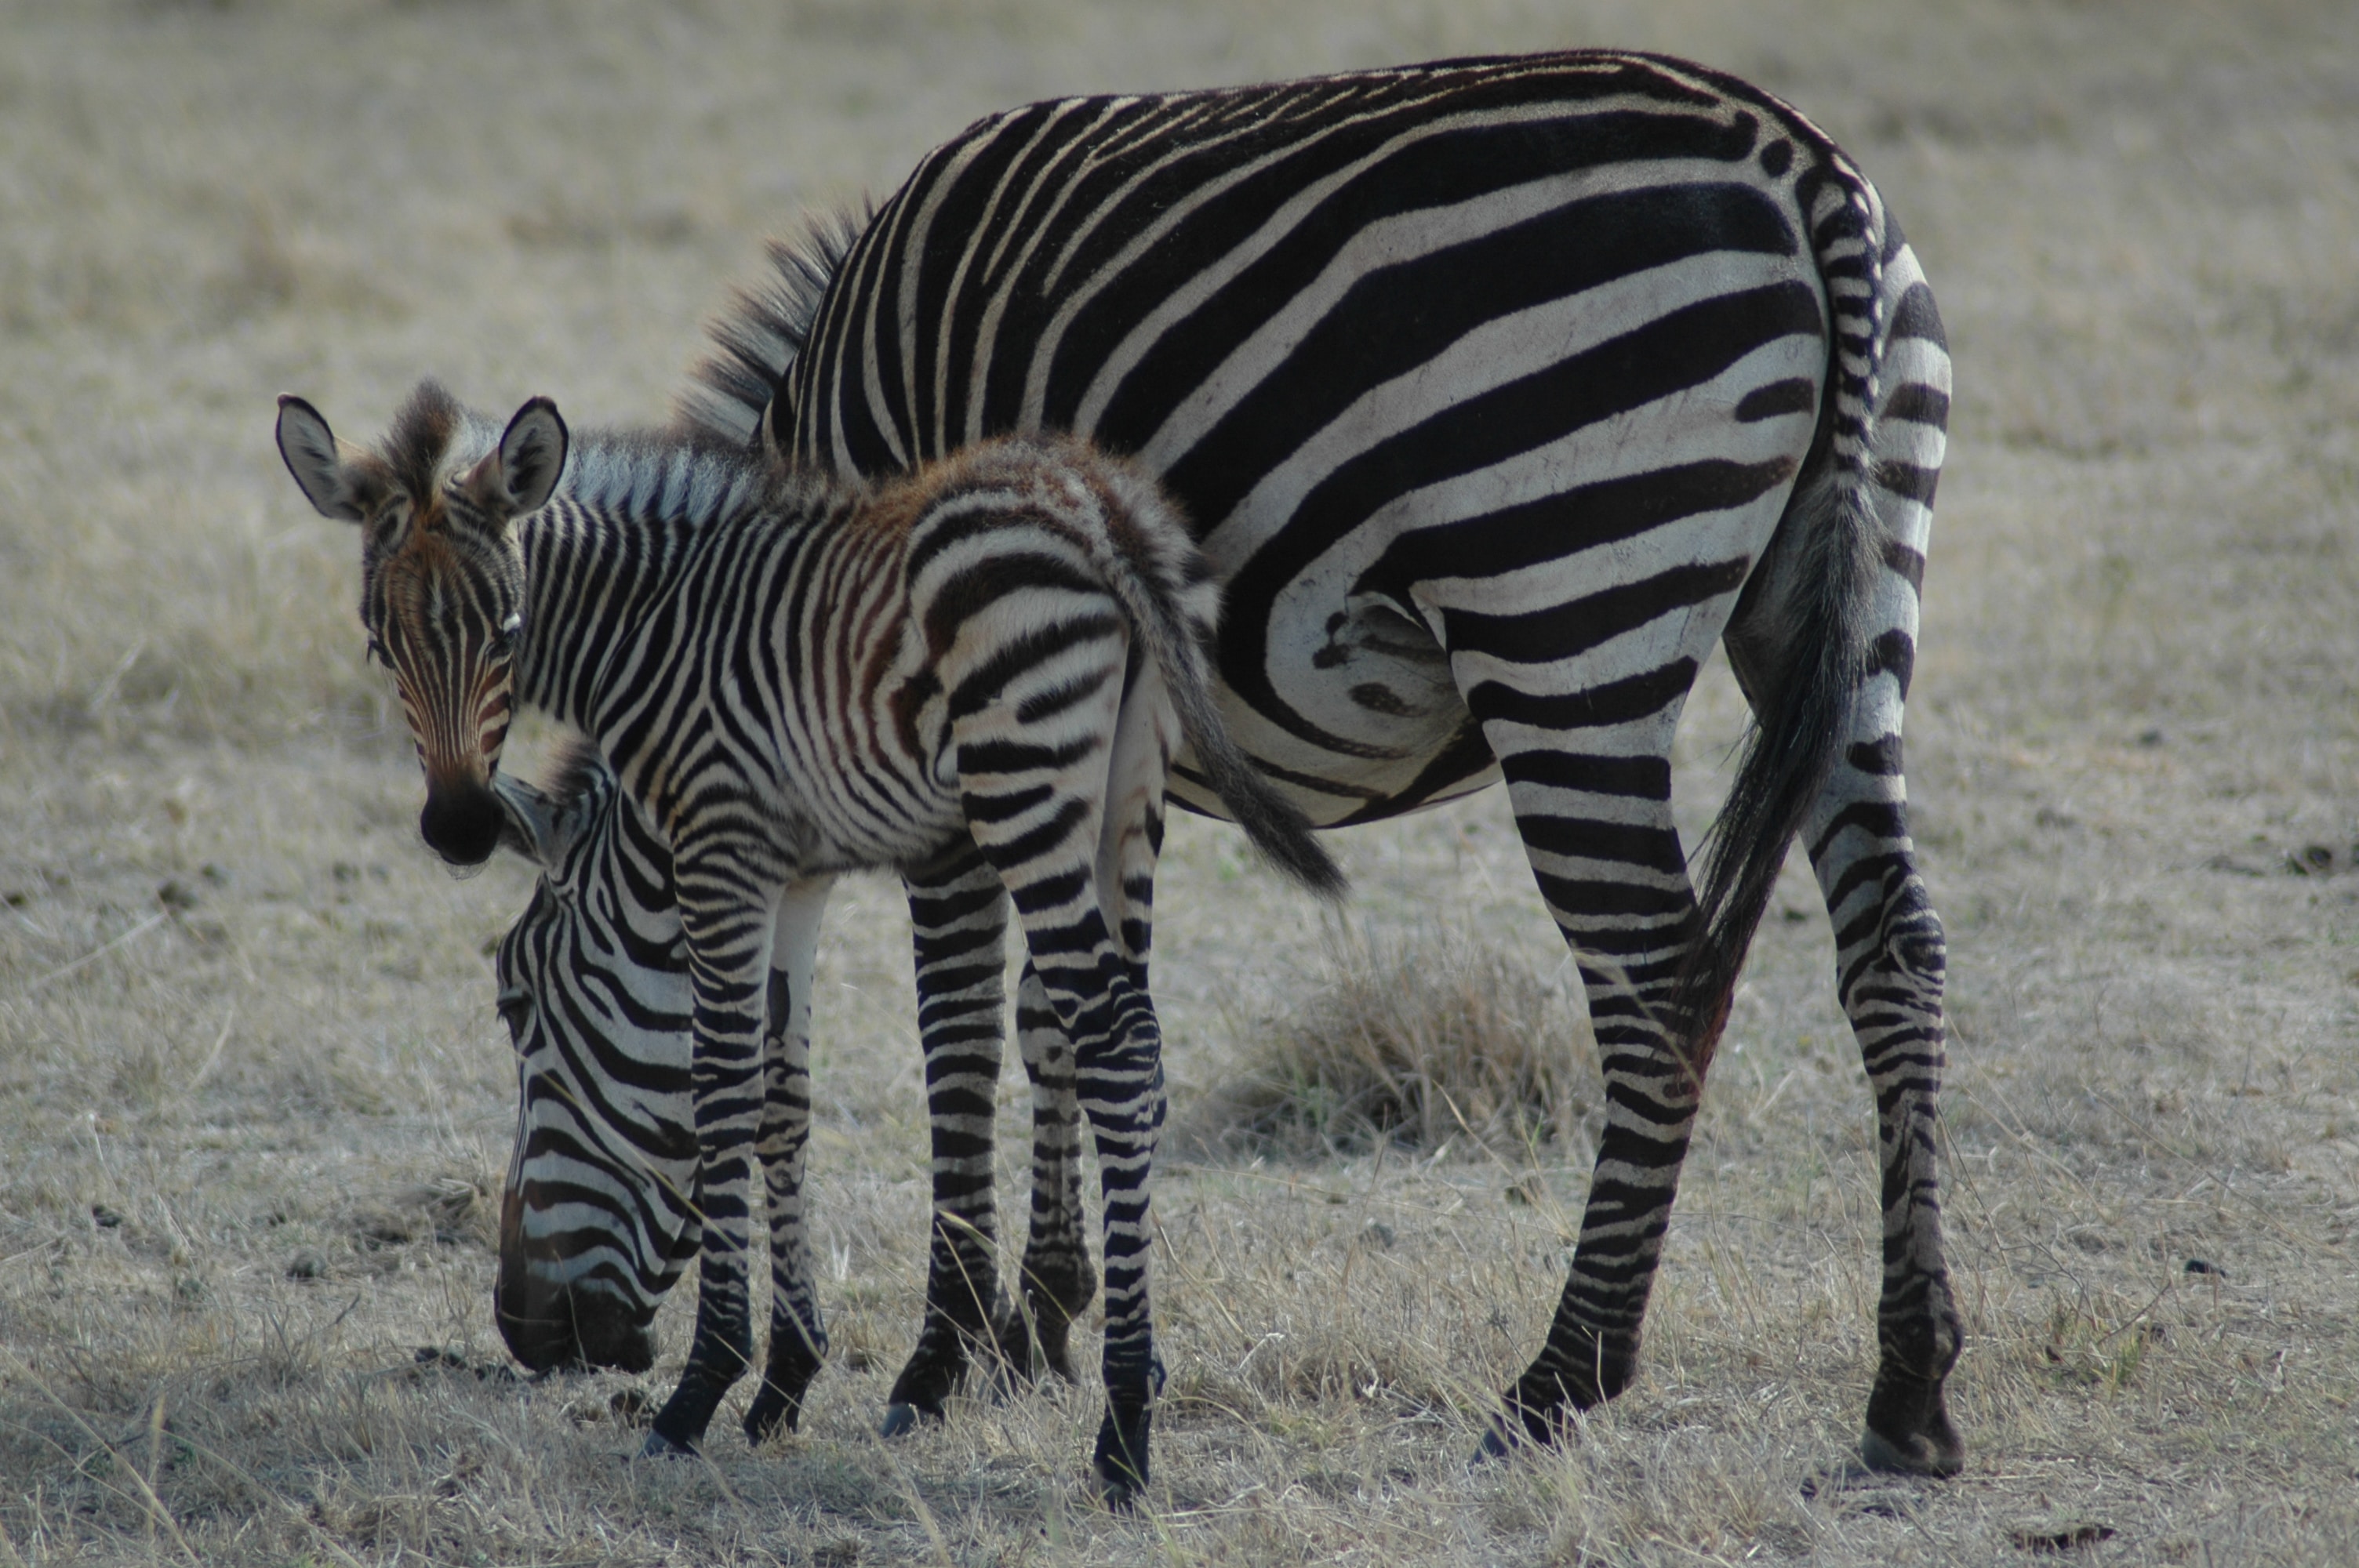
(794, 677)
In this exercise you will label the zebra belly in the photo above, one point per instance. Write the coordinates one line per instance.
(1617, 546)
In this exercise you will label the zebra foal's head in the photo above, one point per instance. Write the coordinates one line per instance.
(597, 1217)
(442, 582)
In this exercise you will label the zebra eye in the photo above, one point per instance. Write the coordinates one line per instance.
(503, 640)
(379, 653)
(515, 1007)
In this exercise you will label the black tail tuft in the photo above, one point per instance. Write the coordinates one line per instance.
(1279, 831)
(1787, 755)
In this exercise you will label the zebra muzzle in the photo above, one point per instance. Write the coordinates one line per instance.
(462, 822)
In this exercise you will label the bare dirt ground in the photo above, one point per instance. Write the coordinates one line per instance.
(252, 1090)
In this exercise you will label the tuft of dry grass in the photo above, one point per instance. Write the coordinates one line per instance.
(1422, 1039)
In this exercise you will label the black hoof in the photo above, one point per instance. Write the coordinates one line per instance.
(771, 1414)
(1121, 1456)
(1921, 1455)
(659, 1447)
(902, 1420)
(1496, 1445)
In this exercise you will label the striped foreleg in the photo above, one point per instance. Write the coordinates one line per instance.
(727, 907)
(958, 916)
(798, 1331)
(1595, 811)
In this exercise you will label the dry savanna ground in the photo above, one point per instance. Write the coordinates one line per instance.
(251, 1093)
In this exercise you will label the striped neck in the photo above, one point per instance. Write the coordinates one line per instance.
(630, 514)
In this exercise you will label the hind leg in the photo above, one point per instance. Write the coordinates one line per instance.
(1056, 821)
(1059, 1281)
(1890, 954)
(1596, 815)
(958, 916)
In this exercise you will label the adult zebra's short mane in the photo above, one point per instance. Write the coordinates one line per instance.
(757, 339)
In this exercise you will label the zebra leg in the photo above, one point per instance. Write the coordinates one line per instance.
(1046, 831)
(957, 916)
(798, 1333)
(1594, 809)
(727, 906)
(1059, 1281)
(1890, 953)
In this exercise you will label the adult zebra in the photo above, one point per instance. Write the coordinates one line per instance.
(598, 1213)
(1494, 390)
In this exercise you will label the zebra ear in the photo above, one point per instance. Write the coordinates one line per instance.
(530, 823)
(522, 474)
(321, 464)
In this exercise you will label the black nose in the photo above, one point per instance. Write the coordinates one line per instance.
(461, 824)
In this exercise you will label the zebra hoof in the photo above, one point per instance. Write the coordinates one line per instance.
(1121, 1457)
(659, 1447)
(770, 1414)
(1496, 1445)
(1921, 1455)
(900, 1419)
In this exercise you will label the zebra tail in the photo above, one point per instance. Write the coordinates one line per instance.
(1800, 724)
(1278, 829)
(1152, 593)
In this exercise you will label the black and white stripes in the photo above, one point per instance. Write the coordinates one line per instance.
(793, 678)
(598, 1213)
(1495, 390)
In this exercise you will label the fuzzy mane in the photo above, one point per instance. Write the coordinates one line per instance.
(755, 340)
(424, 430)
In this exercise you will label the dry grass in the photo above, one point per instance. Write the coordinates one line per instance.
(247, 1062)
(1420, 1041)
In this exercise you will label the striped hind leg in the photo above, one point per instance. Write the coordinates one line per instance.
(798, 1331)
(1059, 1281)
(1595, 810)
(958, 917)
(1890, 956)
(1061, 823)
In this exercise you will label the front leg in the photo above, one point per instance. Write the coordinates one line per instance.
(798, 1331)
(728, 894)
